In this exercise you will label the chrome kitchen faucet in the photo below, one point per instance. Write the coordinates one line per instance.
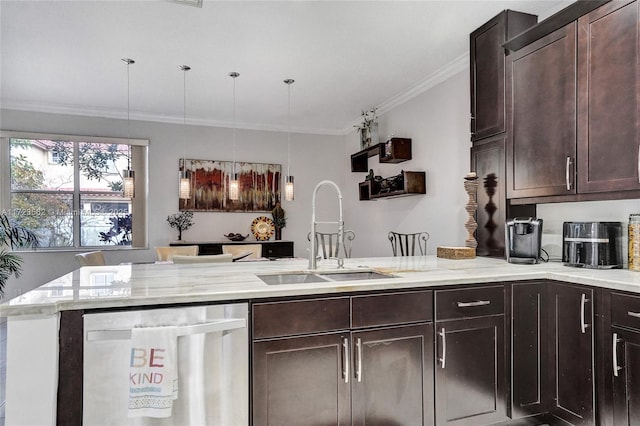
(313, 260)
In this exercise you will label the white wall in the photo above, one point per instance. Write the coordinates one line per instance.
(437, 122)
(313, 158)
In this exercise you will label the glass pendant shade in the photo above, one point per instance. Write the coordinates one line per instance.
(128, 185)
(185, 185)
(234, 188)
(288, 188)
(184, 188)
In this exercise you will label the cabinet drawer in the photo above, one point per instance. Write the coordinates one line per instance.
(389, 309)
(300, 317)
(469, 302)
(625, 310)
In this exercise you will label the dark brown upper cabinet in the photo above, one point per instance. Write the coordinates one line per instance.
(487, 71)
(541, 123)
(608, 90)
(573, 117)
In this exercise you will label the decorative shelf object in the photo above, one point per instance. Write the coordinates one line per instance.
(406, 183)
(395, 150)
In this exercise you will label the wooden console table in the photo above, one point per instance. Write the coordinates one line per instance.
(274, 249)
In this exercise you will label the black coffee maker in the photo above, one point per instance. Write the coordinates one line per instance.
(523, 239)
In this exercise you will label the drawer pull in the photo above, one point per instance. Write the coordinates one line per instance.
(476, 303)
(345, 355)
(567, 174)
(583, 323)
(443, 360)
(616, 368)
(359, 359)
(634, 314)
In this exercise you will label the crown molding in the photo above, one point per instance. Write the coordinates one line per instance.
(92, 111)
(459, 64)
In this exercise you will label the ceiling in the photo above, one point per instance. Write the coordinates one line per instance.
(345, 57)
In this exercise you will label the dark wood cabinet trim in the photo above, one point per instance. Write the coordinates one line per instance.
(554, 22)
(70, 368)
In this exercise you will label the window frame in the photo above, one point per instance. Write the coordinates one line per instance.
(139, 203)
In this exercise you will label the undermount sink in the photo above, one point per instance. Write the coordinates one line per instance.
(310, 277)
(355, 275)
(292, 278)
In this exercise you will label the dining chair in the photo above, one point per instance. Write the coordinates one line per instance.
(243, 251)
(329, 246)
(165, 254)
(91, 258)
(405, 244)
(207, 258)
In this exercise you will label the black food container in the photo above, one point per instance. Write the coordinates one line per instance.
(596, 245)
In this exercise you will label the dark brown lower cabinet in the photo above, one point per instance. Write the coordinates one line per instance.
(373, 377)
(571, 353)
(470, 371)
(393, 376)
(626, 376)
(302, 380)
(529, 349)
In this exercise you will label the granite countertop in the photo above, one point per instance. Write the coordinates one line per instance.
(122, 286)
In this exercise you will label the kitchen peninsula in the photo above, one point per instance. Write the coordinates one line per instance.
(486, 310)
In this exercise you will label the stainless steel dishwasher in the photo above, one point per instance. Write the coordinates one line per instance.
(213, 365)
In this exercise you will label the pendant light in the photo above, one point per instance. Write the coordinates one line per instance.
(288, 183)
(234, 187)
(128, 175)
(185, 175)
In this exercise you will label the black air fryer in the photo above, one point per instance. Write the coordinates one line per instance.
(596, 245)
(523, 238)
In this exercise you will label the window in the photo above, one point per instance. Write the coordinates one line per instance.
(68, 190)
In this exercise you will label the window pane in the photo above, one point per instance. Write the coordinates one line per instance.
(41, 165)
(50, 216)
(105, 220)
(101, 166)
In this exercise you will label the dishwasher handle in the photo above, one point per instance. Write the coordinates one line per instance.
(185, 330)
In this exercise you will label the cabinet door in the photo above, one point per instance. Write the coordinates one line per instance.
(393, 376)
(487, 160)
(470, 371)
(626, 376)
(572, 354)
(487, 71)
(541, 144)
(529, 348)
(608, 90)
(302, 380)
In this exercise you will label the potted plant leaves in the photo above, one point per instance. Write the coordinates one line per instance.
(181, 221)
(12, 236)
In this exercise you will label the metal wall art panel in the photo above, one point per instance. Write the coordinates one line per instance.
(259, 186)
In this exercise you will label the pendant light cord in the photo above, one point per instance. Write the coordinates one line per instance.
(129, 62)
(234, 75)
(289, 130)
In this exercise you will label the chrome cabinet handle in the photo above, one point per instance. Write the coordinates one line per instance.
(359, 359)
(473, 125)
(476, 303)
(442, 334)
(634, 314)
(638, 163)
(583, 302)
(567, 175)
(345, 354)
(616, 368)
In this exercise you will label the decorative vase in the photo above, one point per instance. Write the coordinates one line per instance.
(471, 186)
(278, 233)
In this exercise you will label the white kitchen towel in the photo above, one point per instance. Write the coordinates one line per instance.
(153, 371)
